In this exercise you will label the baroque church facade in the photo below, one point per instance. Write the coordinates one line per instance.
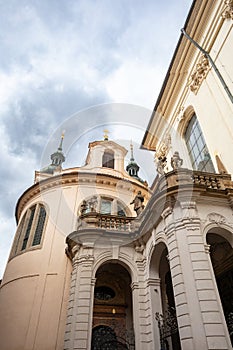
(100, 260)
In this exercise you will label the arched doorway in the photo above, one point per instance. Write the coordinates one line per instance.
(221, 254)
(166, 320)
(112, 312)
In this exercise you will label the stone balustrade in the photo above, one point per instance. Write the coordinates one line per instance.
(182, 177)
(108, 222)
(168, 182)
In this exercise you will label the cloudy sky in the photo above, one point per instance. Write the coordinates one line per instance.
(78, 66)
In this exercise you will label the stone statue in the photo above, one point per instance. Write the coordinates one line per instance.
(83, 207)
(161, 163)
(138, 200)
(92, 203)
(176, 161)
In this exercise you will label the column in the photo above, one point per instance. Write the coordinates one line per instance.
(155, 308)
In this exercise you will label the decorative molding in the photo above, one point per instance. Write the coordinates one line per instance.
(188, 205)
(228, 10)
(216, 218)
(207, 248)
(153, 282)
(134, 285)
(200, 73)
(166, 212)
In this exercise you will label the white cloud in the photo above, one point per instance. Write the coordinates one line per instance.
(134, 82)
(60, 57)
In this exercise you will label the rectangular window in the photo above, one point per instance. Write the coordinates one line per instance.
(106, 206)
(39, 226)
(197, 148)
(29, 226)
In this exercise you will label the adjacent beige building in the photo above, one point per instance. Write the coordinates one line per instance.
(102, 261)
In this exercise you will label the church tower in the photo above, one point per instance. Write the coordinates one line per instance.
(71, 273)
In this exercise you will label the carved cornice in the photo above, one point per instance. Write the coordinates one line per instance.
(72, 179)
(200, 73)
(228, 10)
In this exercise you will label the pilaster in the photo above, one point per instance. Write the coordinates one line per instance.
(79, 316)
(155, 307)
(198, 309)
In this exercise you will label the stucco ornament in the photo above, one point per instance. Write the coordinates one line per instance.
(216, 218)
(228, 10)
(200, 73)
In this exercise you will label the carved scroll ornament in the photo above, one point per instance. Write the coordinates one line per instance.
(228, 10)
(199, 74)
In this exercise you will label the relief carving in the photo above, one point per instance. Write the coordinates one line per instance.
(164, 147)
(228, 10)
(199, 74)
(216, 218)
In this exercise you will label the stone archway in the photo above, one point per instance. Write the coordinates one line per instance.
(165, 319)
(221, 254)
(112, 311)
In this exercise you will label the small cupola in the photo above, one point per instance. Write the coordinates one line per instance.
(105, 155)
(132, 168)
(57, 159)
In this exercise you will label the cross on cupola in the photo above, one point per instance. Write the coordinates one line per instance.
(106, 132)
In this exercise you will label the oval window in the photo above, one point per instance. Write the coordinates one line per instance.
(104, 293)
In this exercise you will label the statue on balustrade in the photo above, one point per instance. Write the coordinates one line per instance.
(138, 203)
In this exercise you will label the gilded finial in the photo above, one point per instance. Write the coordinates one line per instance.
(106, 135)
(62, 137)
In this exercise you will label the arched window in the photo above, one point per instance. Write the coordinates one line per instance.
(108, 159)
(30, 230)
(197, 149)
(110, 206)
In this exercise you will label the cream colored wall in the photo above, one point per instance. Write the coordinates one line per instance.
(36, 283)
(211, 103)
(198, 307)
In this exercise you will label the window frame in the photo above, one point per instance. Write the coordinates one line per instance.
(18, 245)
(116, 206)
(108, 159)
(194, 140)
